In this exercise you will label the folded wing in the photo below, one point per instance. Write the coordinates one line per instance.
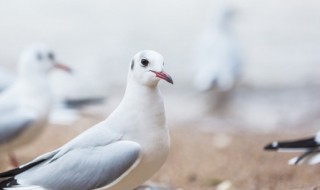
(84, 168)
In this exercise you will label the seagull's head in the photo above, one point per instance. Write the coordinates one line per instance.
(39, 59)
(147, 68)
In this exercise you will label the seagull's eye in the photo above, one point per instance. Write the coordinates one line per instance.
(51, 56)
(144, 62)
(39, 56)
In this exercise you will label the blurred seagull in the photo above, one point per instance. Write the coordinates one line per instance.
(218, 62)
(217, 57)
(25, 105)
(119, 153)
(6, 79)
(309, 146)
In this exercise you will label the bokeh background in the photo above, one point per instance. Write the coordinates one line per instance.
(277, 95)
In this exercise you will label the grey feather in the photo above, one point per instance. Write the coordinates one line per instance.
(13, 123)
(95, 136)
(85, 168)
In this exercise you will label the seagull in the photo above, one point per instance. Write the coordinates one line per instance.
(218, 62)
(121, 152)
(217, 56)
(309, 146)
(25, 105)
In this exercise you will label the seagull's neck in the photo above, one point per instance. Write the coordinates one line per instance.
(35, 92)
(143, 107)
(34, 83)
(33, 77)
(139, 94)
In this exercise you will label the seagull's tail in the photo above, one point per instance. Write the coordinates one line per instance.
(301, 144)
(9, 182)
(7, 179)
(78, 103)
(24, 188)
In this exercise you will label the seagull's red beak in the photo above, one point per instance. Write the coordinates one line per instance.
(63, 67)
(163, 75)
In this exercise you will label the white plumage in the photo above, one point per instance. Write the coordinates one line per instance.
(217, 57)
(25, 105)
(119, 153)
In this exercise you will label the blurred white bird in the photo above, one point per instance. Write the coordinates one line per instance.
(67, 107)
(119, 153)
(309, 146)
(217, 61)
(25, 105)
(217, 56)
(82, 93)
(6, 79)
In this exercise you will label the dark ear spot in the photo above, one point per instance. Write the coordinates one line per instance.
(132, 64)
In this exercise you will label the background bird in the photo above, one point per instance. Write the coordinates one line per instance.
(118, 153)
(25, 105)
(71, 94)
(217, 59)
(309, 146)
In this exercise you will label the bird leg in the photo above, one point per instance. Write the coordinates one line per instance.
(305, 155)
(13, 160)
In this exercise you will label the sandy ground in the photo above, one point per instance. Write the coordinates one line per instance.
(203, 158)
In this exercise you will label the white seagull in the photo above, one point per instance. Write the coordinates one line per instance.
(119, 153)
(309, 146)
(24, 106)
(217, 57)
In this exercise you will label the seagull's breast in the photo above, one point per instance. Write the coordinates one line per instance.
(155, 149)
(147, 127)
(153, 136)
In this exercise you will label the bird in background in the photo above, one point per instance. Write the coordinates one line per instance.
(217, 59)
(310, 148)
(121, 152)
(71, 94)
(25, 105)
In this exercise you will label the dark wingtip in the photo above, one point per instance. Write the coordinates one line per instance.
(8, 183)
(16, 171)
(271, 146)
(307, 143)
(81, 102)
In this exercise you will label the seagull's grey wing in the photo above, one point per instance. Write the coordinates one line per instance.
(13, 122)
(9, 99)
(85, 168)
(7, 179)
